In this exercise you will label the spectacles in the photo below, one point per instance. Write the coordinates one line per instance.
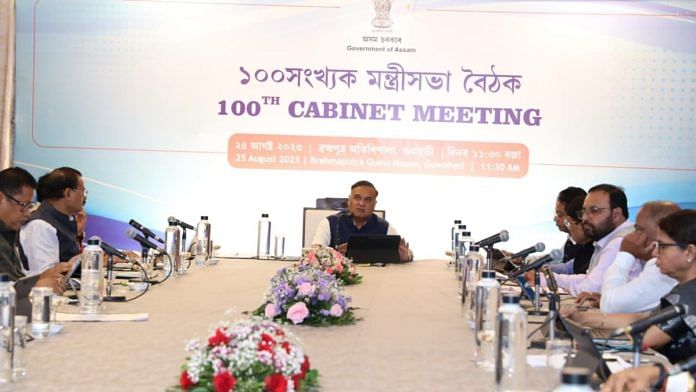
(591, 211)
(569, 223)
(24, 205)
(660, 246)
(83, 190)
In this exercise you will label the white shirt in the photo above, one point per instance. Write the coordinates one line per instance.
(323, 234)
(624, 292)
(604, 254)
(40, 244)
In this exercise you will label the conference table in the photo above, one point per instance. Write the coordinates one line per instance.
(412, 335)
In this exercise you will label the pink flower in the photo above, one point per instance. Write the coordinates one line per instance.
(336, 310)
(271, 310)
(297, 312)
(339, 267)
(312, 258)
(305, 288)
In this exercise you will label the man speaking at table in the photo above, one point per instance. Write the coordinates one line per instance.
(359, 220)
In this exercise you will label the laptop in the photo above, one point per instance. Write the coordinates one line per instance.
(374, 248)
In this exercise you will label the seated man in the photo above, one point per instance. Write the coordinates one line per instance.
(360, 219)
(51, 233)
(578, 242)
(605, 221)
(560, 218)
(16, 195)
(622, 291)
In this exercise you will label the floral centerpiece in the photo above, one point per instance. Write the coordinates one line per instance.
(332, 262)
(253, 355)
(305, 294)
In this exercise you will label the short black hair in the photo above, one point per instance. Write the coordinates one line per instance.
(681, 227)
(573, 207)
(13, 179)
(571, 193)
(617, 197)
(51, 185)
(364, 183)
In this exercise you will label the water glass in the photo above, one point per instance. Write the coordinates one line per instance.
(279, 249)
(557, 351)
(41, 303)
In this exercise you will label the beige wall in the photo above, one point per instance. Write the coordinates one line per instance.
(6, 78)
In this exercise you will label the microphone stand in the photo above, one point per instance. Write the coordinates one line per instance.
(537, 294)
(637, 345)
(183, 240)
(489, 257)
(110, 281)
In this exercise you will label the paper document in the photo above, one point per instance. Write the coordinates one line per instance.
(101, 317)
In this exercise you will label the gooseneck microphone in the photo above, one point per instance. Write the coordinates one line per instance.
(554, 255)
(494, 239)
(181, 223)
(145, 230)
(142, 240)
(539, 247)
(639, 326)
(111, 251)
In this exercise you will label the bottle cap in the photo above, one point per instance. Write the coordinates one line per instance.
(488, 274)
(457, 221)
(173, 223)
(466, 233)
(204, 217)
(575, 376)
(511, 299)
(473, 248)
(264, 215)
(94, 240)
(462, 227)
(4, 278)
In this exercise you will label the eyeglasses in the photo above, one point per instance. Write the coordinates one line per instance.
(660, 246)
(83, 190)
(591, 211)
(24, 205)
(569, 223)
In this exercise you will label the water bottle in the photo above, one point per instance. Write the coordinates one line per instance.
(463, 244)
(263, 240)
(453, 244)
(487, 302)
(19, 367)
(202, 251)
(8, 303)
(511, 347)
(457, 254)
(574, 379)
(92, 279)
(471, 275)
(172, 237)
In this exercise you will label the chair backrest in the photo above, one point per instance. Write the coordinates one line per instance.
(312, 217)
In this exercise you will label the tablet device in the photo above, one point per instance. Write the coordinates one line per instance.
(588, 355)
(374, 248)
(74, 268)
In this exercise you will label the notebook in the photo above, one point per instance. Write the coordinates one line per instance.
(374, 248)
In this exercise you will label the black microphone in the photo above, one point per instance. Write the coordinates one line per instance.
(554, 255)
(539, 247)
(111, 251)
(181, 223)
(143, 241)
(494, 239)
(641, 325)
(145, 230)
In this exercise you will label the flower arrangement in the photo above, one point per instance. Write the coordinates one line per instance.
(332, 262)
(305, 294)
(253, 355)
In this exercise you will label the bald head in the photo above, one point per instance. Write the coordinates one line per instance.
(650, 215)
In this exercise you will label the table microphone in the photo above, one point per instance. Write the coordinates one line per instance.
(639, 326)
(494, 239)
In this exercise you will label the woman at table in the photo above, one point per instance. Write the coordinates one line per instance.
(675, 250)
